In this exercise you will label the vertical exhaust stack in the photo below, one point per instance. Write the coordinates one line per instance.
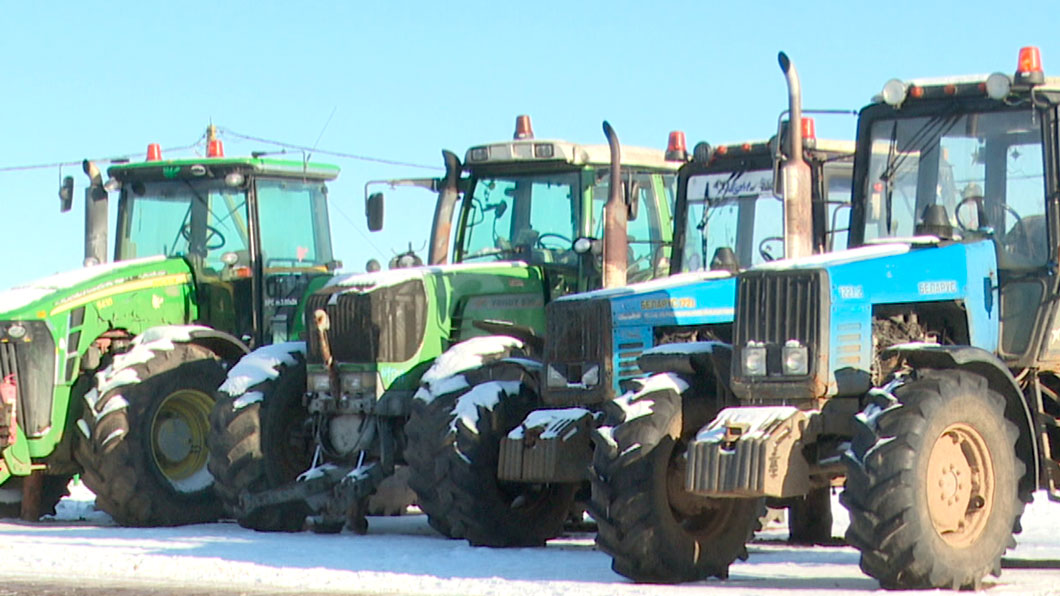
(449, 194)
(615, 239)
(95, 216)
(795, 173)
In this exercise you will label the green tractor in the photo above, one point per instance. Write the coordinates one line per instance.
(315, 429)
(212, 255)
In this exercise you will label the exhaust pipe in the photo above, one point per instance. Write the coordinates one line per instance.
(616, 244)
(795, 173)
(95, 216)
(443, 210)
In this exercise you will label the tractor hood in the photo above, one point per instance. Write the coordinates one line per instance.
(360, 283)
(94, 285)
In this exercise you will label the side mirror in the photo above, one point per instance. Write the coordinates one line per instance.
(66, 194)
(632, 190)
(373, 210)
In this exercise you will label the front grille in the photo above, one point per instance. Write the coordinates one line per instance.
(32, 362)
(384, 324)
(578, 337)
(777, 307)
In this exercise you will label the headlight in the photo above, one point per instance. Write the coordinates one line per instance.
(591, 376)
(319, 383)
(754, 360)
(358, 382)
(796, 358)
(894, 92)
(16, 331)
(554, 378)
(998, 86)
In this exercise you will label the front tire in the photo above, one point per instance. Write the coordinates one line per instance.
(932, 484)
(144, 427)
(469, 499)
(654, 530)
(260, 439)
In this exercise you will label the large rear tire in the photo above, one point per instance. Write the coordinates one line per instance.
(470, 500)
(260, 439)
(143, 444)
(932, 483)
(653, 529)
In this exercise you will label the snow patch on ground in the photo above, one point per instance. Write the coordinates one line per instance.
(258, 366)
(486, 396)
(402, 554)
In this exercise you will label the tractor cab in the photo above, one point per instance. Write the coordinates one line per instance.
(965, 159)
(255, 232)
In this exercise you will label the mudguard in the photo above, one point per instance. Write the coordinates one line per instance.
(998, 377)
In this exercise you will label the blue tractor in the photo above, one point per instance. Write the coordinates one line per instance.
(511, 451)
(920, 364)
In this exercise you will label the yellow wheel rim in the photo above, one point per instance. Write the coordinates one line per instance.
(960, 485)
(178, 437)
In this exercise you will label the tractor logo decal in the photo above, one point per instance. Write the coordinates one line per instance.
(129, 286)
(928, 288)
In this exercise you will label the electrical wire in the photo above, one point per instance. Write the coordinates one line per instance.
(226, 131)
(306, 149)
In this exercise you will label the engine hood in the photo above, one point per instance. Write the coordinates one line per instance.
(70, 289)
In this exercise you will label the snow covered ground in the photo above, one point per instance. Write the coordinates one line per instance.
(403, 555)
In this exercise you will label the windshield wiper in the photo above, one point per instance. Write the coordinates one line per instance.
(925, 140)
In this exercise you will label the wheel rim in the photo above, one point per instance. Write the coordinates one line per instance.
(960, 485)
(178, 439)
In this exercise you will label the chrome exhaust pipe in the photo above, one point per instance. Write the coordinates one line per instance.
(795, 173)
(616, 244)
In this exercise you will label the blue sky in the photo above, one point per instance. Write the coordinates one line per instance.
(402, 80)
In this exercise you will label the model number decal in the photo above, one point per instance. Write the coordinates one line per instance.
(927, 288)
(851, 292)
(668, 303)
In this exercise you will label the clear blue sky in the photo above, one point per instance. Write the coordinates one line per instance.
(402, 80)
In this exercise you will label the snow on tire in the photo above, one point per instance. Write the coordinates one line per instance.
(428, 429)
(142, 443)
(259, 434)
(474, 503)
(932, 484)
(653, 529)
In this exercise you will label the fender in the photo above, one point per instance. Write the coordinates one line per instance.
(227, 346)
(998, 378)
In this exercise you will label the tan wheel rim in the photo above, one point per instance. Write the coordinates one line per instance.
(178, 438)
(960, 485)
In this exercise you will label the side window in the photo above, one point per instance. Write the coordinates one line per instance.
(837, 186)
(226, 226)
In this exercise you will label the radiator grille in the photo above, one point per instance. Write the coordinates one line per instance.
(578, 340)
(384, 324)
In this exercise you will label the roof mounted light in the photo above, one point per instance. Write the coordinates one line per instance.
(893, 93)
(676, 149)
(809, 129)
(702, 152)
(154, 152)
(215, 148)
(523, 129)
(998, 85)
(1029, 69)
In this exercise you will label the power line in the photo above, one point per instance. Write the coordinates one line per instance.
(113, 158)
(306, 149)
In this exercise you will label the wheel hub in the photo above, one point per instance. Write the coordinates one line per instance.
(178, 435)
(959, 484)
(174, 439)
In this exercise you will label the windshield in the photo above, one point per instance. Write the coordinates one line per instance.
(200, 219)
(529, 216)
(957, 175)
(734, 211)
(293, 218)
